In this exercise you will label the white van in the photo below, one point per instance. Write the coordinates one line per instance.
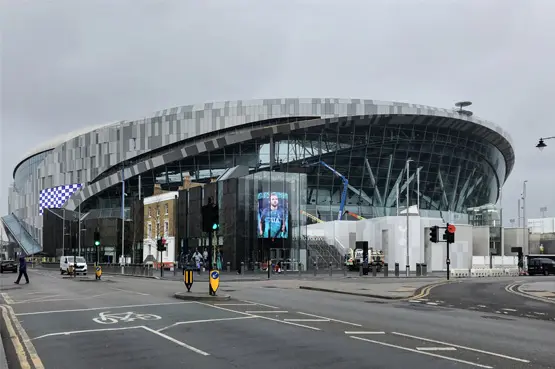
(66, 261)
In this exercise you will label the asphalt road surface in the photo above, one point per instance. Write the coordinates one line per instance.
(133, 323)
(495, 296)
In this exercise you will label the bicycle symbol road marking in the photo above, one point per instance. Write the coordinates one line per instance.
(112, 318)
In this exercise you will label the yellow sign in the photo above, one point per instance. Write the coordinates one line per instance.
(188, 279)
(214, 281)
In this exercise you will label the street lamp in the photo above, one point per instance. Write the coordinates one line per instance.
(541, 144)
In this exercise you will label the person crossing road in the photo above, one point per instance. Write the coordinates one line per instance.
(22, 270)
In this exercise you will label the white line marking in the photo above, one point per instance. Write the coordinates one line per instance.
(7, 298)
(354, 332)
(482, 306)
(431, 303)
(422, 352)
(266, 311)
(461, 347)
(258, 316)
(35, 299)
(509, 309)
(129, 291)
(231, 304)
(436, 349)
(413, 301)
(333, 320)
(539, 313)
(307, 320)
(206, 321)
(182, 344)
(257, 303)
(68, 333)
(67, 299)
(104, 308)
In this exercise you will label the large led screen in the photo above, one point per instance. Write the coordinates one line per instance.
(273, 215)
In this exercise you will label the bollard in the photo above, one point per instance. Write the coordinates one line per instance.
(228, 267)
(396, 269)
(418, 269)
(242, 268)
(315, 270)
(385, 269)
(424, 270)
(330, 269)
(360, 270)
(300, 266)
(374, 270)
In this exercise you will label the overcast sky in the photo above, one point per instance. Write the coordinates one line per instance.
(71, 64)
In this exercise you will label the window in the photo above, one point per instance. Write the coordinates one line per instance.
(166, 209)
(149, 212)
(149, 230)
(157, 211)
(166, 228)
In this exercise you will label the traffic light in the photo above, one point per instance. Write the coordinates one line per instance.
(449, 235)
(96, 238)
(434, 236)
(161, 244)
(210, 217)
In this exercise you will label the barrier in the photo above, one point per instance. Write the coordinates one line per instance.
(484, 273)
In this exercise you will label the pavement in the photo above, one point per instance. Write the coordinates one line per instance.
(521, 297)
(137, 323)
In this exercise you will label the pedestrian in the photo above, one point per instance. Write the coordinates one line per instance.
(22, 270)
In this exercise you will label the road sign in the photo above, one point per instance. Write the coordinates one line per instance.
(214, 281)
(188, 279)
(451, 228)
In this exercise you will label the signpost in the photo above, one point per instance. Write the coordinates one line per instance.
(188, 278)
(214, 281)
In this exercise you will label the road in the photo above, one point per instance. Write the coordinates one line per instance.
(136, 323)
(497, 296)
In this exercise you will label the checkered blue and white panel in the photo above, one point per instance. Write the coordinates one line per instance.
(56, 197)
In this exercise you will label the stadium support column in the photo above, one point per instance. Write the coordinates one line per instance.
(122, 220)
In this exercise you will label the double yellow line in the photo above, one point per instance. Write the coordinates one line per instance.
(425, 291)
(24, 348)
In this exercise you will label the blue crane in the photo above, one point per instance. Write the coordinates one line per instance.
(345, 185)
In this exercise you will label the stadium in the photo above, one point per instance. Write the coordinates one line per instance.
(326, 156)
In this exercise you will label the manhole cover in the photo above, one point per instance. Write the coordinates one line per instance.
(494, 317)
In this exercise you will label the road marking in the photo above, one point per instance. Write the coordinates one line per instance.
(510, 288)
(67, 299)
(207, 321)
(354, 332)
(423, 352)
(129, 291)
(266, 312)
(257, 303)
(539, 313)
(68, 333)
(413, 301)
(182, 344)
(436, 349)
(104, 308)
(307, 320)
(333, 320)
(509, 309)
(431, 303)
(258, 316)
(482, 306)
(113, 318)
(425, 292)
(33, 355)
(19, 350)
(7, 298)
(461, 347)
(35, 299)
(232, 304)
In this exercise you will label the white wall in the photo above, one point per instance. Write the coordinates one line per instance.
(149, 248)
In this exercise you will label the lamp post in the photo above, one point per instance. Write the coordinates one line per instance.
(524, 220)
(408, 223)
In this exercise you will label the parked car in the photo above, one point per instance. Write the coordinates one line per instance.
(543, 266)
(8, 265)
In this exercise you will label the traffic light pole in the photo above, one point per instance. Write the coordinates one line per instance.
(448, 261)
(161, 264)
(210, 261)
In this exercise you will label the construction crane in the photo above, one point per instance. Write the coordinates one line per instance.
(345, 185)
(354, 215)
(314, 218)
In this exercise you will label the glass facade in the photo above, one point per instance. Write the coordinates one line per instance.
(27, 169)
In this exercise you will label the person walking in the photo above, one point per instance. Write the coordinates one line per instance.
(22, 270)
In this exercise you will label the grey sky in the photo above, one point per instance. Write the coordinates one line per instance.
(70, 64)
